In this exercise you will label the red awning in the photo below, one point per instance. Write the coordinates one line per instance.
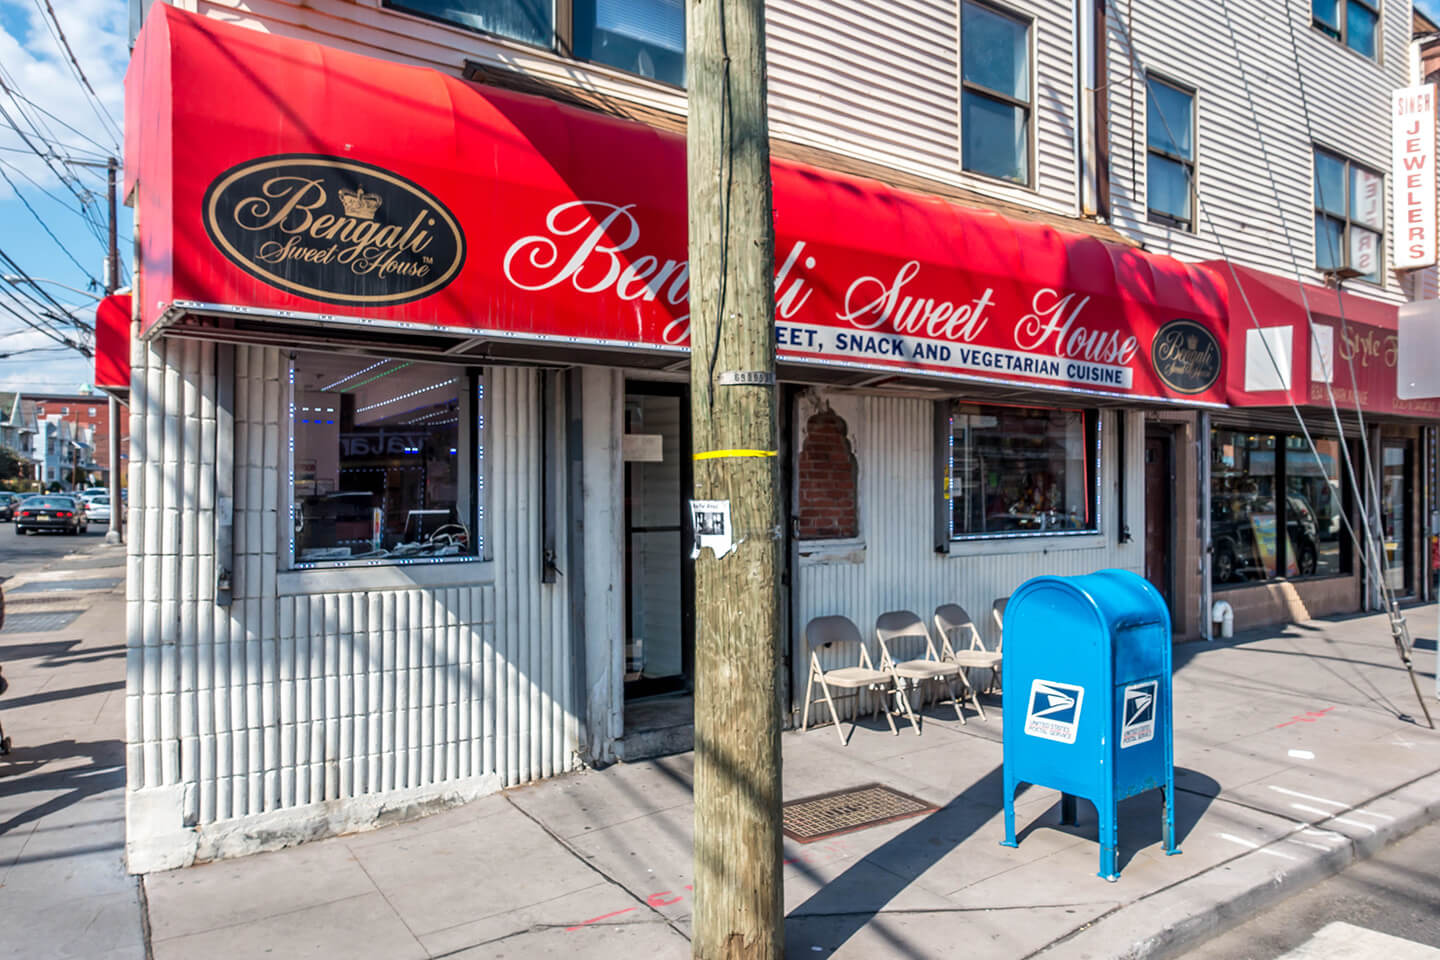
(112, 342)
(287, 179)
(1301, 345)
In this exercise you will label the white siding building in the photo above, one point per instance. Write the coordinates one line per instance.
(392, 549)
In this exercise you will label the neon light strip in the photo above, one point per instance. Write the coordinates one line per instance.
(379, 376)
(354, 375)
(405, 396)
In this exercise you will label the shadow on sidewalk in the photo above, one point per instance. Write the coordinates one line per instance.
(22, 773)
(932, 838)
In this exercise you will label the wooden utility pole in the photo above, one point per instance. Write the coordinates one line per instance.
(739, 904)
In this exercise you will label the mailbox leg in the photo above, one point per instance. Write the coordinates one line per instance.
(1009, 840)
(1068, 815)
(1109, 843)
(1167, 796)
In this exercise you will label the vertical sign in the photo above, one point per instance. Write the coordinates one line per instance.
(1413, 177)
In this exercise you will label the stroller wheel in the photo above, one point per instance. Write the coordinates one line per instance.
(4, 746)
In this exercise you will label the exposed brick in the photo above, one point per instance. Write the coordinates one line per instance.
(827, 470)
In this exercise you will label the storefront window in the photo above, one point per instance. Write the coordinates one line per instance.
(386, 460)
(1023, 470)
(1258, 535)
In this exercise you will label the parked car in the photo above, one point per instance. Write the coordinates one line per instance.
(98, 509)
(89, 492)
(8, 502)
(1237, 556)
(51, 512)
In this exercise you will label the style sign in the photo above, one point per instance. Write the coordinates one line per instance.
(1054, 710)
(710, 519)
(1186, 356)
(1137, 724)
(1412, 118)
(335, 230)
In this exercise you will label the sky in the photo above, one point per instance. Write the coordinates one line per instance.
(42, 86)
(1431, 8)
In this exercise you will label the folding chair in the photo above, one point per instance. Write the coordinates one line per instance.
(997, 613)
(900, 626)
(950, 621)
(823, 632)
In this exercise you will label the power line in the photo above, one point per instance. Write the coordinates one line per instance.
(14, 92)
(58, 33)
(45, 226)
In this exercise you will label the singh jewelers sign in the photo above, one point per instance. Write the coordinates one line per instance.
(1413, 175)
(500, 215)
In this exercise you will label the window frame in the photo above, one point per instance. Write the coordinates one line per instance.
(1341, 33)
(474, 384)
(562, 37)
(980, 90)
(1192, 165)
(1282, 509)
(1093, 419)
(1317, 211)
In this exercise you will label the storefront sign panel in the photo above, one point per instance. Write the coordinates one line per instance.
(508, 215)
(1364, 372)
(1412, 118)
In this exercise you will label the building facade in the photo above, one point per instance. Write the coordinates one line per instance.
(409, 415)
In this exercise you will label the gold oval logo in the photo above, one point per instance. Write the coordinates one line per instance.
(333, 229)
(1186, 356)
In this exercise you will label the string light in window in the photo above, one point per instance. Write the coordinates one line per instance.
(357, 373)
(405, 396)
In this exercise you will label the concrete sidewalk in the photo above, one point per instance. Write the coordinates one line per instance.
(64, 891)
(1294, 754)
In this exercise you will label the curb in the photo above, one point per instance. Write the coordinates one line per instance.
(1172, 920)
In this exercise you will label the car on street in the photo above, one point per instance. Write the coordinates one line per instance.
(98, 509)
(1239, 554)
(49, 512)
(8, 502)
(89, 492)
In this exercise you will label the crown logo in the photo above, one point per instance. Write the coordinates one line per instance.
(1192, 341)
(359, 204)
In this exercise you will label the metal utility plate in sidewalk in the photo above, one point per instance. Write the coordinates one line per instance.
(843, 811)
(40, 622)
(51, 586)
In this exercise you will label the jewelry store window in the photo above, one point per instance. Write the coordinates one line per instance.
(1023, 471)
(386, 461)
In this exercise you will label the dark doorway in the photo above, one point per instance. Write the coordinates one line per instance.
(659, 574)
(1159, 512)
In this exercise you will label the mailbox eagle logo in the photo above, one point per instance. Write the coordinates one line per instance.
(1054, 711)
(1138, 721)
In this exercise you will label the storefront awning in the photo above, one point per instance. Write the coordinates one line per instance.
(1298, 343)
(289, 183)
(112, 343)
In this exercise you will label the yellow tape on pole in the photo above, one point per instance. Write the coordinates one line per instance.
(719, 454)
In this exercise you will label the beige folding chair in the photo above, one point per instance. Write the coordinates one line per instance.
(951, 621)
(823, 632)
(902, 626)
(997, 613)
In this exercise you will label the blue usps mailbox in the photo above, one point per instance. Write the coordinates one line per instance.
(1087, 697)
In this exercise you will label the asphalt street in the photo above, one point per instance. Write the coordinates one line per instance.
(1394, 893)
(37, 550)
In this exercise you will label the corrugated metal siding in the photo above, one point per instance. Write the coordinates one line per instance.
(282, 701)
(900, 569)
(1253, 140)
(875, 81)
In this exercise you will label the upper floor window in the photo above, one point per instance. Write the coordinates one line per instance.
(1170, 166)
(644, 37)
(529, 21)
(1352, 22)
(995, 97)
(1349, 216)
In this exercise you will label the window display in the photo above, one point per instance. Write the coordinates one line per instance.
(385, 460)
(1023, 470)
(1259, 535)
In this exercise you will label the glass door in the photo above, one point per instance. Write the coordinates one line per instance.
(659, 644)
(1396, 486)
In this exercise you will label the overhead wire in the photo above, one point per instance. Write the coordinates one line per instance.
(46, 227)
(52, 25)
